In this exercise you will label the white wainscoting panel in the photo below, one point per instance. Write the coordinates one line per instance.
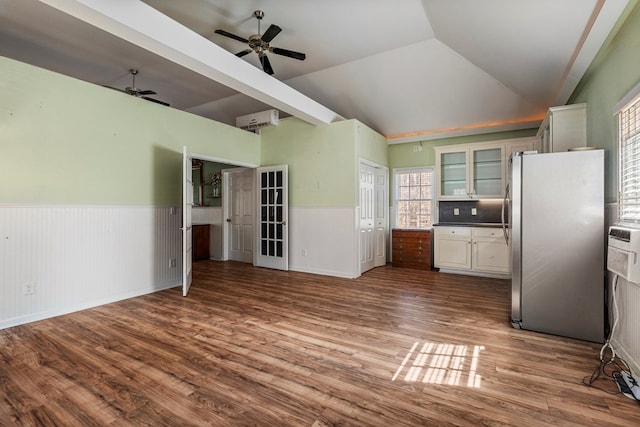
(59, 259)
(322, 241)
(626, 340)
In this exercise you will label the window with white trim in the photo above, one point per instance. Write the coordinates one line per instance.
(413, 197)
(629, 157)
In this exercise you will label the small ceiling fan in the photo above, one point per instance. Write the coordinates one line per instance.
(260, 44)
(139, 93)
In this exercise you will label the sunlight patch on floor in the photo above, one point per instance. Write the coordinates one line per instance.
(440, 363)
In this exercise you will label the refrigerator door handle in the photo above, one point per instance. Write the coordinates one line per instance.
(504, 224)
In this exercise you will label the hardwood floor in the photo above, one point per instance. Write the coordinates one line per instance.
(251, 346)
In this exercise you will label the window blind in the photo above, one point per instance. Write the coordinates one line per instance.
(629, 152)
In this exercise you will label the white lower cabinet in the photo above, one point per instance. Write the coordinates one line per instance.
(490, 251)
(473, 249)
(452, 247)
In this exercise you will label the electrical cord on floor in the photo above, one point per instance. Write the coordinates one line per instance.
(613, 367)
(607, 344)
(607, 370)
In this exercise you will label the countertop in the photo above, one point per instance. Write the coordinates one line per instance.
(469, 224)
(411, 229)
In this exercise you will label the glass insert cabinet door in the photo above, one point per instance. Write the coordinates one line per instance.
(273, 211)
(487, 172)
(453, 174)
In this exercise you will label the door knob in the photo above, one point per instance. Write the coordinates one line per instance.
(228, 219)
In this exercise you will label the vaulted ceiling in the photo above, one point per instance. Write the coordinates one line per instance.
(409, 69)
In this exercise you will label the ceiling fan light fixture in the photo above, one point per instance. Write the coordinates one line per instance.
(259, 43)
(138, 93)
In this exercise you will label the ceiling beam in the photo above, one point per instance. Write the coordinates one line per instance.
(144, 26)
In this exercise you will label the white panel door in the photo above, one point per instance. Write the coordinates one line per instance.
(272, 249)
(241, 215)
(380, 217)
(367, 195)
(187, 203)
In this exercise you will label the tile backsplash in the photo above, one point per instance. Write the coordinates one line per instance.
(487, 210)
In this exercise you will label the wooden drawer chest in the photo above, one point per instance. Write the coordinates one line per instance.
(200, 241)
(411, 249)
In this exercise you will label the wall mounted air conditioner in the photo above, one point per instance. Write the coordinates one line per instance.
(623, 252)
(259, 120)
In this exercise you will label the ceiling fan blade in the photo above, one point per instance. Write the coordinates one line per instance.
(231, 36)
(289, 53)
(244, 52)
(135, 91)
(115, 88)
(271, 32)
(266, 65)
(155, 100)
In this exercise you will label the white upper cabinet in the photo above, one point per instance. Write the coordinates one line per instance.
(563, 128)
(453, 172)
(476, 171)
(487, 171)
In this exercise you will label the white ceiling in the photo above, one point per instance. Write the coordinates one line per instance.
(409, 69)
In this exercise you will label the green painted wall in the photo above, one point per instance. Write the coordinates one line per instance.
(64, 141)
(403, 156)
(615, 71)
(371, 146)
(321, 161)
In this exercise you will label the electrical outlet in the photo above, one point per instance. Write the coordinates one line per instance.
(29, 288)
(304, 252)
(474, 211)
(456, 211)
(172, 263)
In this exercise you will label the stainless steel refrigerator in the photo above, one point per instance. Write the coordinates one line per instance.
(556, 227)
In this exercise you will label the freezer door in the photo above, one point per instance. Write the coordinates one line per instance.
(562, 244)
(515, 225)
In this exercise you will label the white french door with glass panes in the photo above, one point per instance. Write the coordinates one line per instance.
(272, 248)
